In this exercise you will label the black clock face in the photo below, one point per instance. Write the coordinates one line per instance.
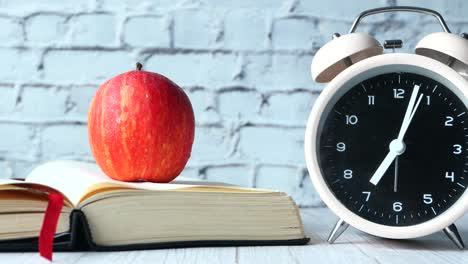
(425, 170)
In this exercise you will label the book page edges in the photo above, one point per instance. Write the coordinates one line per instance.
(36, 191)
(79, 180)
(109, 187)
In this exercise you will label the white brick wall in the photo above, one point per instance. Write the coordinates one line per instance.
(93, 30)
(137, 33)
(64, 141)
(243, 63)
(45, 30)
(83, 66)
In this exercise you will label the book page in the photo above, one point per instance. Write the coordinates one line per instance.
(75, 179)
(21, 189)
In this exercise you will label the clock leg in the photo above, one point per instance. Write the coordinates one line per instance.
(452, 232)
(339, 228)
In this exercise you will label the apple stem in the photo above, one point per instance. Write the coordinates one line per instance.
(139, 66)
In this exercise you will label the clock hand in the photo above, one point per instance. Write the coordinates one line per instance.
(397, 146)
(395, 181)
(410, 111)
(392, 154)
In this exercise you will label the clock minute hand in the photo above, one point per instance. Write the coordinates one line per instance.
(410, 111)
(397, 146)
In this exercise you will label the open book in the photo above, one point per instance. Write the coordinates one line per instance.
(103, 214)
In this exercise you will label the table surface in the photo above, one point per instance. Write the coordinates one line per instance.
(352, 247)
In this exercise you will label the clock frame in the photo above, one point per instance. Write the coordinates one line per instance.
(365, 69)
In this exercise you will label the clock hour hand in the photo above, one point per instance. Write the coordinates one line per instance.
(388, 160)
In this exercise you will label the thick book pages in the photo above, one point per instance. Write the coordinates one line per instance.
(103, 214)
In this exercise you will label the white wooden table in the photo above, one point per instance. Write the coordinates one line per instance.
(352, 247)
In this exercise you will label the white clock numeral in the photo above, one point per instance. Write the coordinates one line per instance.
(398, 93)
(348, 174)
(397, 206)
(457, 149)
(428, 100)
(367, 195)
(449, 121)
(427, 198)
(371, 99)
(450, 175)
(351, 119)
(340, 147)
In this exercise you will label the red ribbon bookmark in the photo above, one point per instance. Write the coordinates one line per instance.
(49, 226)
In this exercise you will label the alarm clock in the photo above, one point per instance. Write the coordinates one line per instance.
(386, 143)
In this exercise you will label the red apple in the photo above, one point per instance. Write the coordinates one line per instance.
(141, 127)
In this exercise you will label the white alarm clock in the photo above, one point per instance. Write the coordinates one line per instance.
(386, 143)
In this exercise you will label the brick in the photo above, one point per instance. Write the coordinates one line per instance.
(204, 107)
(46, 29)
(211, 144)
(272, 145)
(16, 168)
(19, 64)
(190, 173)
(16, 140)
(198, 30)
(6, 170)
(80, 100)
(280, 178)
(93, 30)
(327, 27)
(291, 109)
(139, 5)
(450, 10)
(242, 105)
(348, 10)
(26, 7)
(42, 103)
(259, 5)
(257, 72)
(285, 179)
(291, 71)
(245, 30)
(21, 169)
(84, 67)
(277, 72)
(290, 181)
(237, 175)
(202, 100)
(147, 31)
(306, 196)
(207, 70)
(8, 97)
(65, 141)
(11, 33)
(294, 34)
